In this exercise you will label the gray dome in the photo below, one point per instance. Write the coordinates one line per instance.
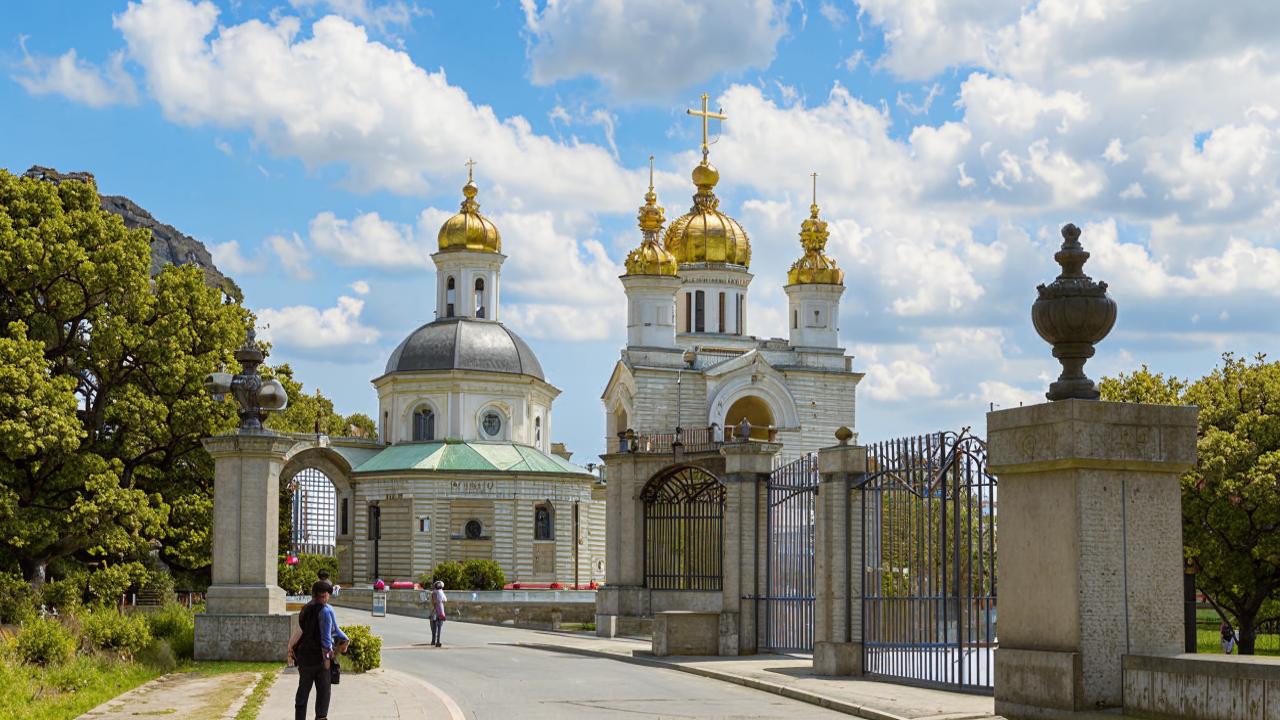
(465, 344)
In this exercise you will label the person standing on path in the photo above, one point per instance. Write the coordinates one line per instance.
(437, 612)
(312, 651)
(1228, 637)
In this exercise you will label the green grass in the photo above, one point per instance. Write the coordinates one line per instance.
(66, 691)
(1208, 641)
(258, 696)
(221, 667)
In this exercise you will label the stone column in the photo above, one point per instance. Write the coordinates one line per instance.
(1090, 547)
(246, 618)
(624, 594)
(837, 627)
(745, 528)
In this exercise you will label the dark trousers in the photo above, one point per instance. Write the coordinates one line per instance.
(437, 626)
(309, 675)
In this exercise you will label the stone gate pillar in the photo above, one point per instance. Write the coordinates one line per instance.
(837, 611)
(746, 507)
(624, 594)
(245, 617)
(1090, 547)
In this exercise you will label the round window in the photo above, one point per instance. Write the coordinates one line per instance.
(491, 423)
(473, 529)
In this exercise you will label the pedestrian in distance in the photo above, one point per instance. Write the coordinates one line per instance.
(437, 612)
(313, 650)
(323, 575)
(1228, 637)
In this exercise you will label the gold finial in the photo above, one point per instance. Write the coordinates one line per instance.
(815, 267)
(651, 214)
(650, 173)
(651, 258)
(815, 188)
(470, 166)
(707, 115)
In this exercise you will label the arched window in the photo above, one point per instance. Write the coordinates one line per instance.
(424, 425)
(544, 527)
(450, 297)
(480, 297)
(537, 432)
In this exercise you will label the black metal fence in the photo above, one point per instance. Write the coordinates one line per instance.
(684, 530)
(929, 561)
(789, 562)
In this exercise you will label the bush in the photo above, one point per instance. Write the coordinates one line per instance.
(127, 634)
(66, 594)
(44, 641)
(365, 652)
(297, 579)
(158, 654)
(110, 583)
(17, 599)
(483, 575)
(176, 625)
(450, 573)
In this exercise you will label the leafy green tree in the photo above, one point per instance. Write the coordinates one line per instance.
(1230, 503)
(102, 405)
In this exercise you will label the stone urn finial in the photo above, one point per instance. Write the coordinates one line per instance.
(1072, 313)
(255, 396)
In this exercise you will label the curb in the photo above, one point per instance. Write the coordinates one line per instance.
(848, 708)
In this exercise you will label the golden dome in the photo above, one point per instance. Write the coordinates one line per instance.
(469, 230)
(704, 234)
(815, 268)
(651, 258)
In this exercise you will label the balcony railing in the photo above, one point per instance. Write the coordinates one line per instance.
(694, 440)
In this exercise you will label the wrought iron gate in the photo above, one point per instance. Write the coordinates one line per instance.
(789, 581)
(683, 530)
(929, 554)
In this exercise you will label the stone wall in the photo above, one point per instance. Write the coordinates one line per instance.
(535, 609)
(1208, 687)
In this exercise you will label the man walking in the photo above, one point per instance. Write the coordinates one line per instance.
(437, 612)
(313, 651)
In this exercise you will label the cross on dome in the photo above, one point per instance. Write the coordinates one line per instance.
(706, 115)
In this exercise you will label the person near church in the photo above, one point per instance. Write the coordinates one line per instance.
(437, 612)
(323, 576)
(313, 649)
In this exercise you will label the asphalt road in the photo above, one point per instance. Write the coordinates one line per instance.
(487, 676)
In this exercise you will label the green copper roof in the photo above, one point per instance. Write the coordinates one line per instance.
(355, 456)
(473, 456)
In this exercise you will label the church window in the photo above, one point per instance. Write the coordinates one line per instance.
(424, 524)
(450, 297)
(473, 530)
(795, 319)
(543, 525)
(480, 297)
(344, 516)
(375, 522)
(491, 424)
(688, 312)
(699, 311)
(537, 431)
(722, 313)
(737, 328)
(424, 425)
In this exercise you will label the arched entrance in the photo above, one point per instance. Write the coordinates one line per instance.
(314, 513)
(754, 410)
(683, 530)
(316, 492)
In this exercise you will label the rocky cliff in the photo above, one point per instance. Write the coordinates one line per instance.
(168, 244)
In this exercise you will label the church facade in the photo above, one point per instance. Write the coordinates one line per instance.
(464, 467)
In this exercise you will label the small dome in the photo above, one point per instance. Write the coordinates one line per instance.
(815, 268)
(469, 230)
(704, 234)
(465, 344)
(651, 258)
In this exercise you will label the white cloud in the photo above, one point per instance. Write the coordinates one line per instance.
(834, 15)
(382, 16)
(648, 49)
(899, 379)
(1133, 192)
(1115, 153)
(334, 97)
(370, 241)
(228, 258)
(76, 79)
(300, 328)
(292, 254)
(360, 287)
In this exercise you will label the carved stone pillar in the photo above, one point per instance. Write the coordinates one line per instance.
(837, 628)
(745, 532)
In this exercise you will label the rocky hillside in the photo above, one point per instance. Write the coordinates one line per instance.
(168, 244)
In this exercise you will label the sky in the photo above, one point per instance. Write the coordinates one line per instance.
(315, 146)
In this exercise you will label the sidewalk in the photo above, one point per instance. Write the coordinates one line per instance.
(380, 694)
(181, 694)
(790, 677)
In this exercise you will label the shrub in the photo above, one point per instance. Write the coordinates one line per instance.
(17, 599)
(44, 641)
(108, 584)
(297, 579)
(127, 634)
(483, 575)
(450, 573)
(158, 654)
(66, 594)
(365, 652)
(177, 625)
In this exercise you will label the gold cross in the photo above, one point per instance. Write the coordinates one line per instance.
(470, 165)
(706, 115)
(815, 188)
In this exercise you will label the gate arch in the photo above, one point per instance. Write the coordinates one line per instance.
(683, 530)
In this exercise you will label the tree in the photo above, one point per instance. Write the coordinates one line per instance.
(1230, 500)
(101, 378)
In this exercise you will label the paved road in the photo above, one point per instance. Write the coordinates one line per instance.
(482, 670)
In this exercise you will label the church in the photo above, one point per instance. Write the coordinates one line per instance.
(464, 467)
(691, 370)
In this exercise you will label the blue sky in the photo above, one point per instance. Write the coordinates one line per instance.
(316, 145)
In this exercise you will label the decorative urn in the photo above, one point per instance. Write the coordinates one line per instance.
(1072, 313)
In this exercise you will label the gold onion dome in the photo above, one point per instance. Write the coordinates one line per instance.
(704, 234)
(815, 268)
(651, 258)
(469, 230)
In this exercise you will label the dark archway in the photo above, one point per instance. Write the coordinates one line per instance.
(683, 530)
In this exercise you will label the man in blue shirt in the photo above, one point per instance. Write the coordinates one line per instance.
(313, 651)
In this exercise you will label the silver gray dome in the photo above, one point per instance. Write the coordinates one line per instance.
(465, 344)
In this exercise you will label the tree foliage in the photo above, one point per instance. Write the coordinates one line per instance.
(1231, 499)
